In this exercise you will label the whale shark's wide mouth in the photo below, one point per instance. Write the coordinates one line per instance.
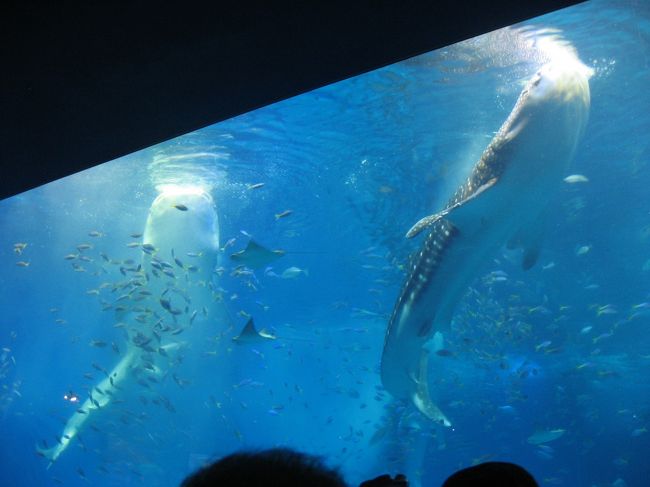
(184, 168)
(182, 190)
(171, 192)
(563, 75)
(557, 52)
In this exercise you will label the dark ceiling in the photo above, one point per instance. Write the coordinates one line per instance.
(84, 83)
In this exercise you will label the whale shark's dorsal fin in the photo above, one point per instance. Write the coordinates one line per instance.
(431, 219)
(436, 343)
(529, 238)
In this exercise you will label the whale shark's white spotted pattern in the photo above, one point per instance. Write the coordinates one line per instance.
(501, 202)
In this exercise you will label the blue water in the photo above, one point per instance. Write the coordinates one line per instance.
(358, 163)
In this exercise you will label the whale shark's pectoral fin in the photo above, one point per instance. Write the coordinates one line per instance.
(514, 131)
(422, 399)
(529, 238)
(457, 211)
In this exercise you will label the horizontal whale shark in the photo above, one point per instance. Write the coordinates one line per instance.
(501, 202)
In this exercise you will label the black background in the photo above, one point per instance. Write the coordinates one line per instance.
(84, 83)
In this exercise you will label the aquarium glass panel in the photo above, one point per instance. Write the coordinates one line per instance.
(439, 263)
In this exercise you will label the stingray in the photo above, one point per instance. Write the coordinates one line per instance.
(249, 334)
(255, 256)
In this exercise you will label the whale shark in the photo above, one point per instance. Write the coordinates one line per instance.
(172, 300)
(503, 201)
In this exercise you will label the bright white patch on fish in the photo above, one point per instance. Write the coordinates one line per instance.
(576, 178)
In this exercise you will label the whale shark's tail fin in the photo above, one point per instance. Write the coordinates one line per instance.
(427, 407)
(422, 399)
(48, 453)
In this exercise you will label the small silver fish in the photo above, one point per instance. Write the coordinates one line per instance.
(293, 272)
(576, 178)
(283, 214)
(148, 248)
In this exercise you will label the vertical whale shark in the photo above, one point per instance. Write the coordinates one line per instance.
(163, 300)
(501, 202)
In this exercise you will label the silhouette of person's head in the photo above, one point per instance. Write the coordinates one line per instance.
(492, 474)
(277, 466)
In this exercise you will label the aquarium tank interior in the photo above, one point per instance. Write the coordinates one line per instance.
(442, 262)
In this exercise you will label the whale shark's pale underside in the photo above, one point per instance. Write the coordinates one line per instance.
(502, 201)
